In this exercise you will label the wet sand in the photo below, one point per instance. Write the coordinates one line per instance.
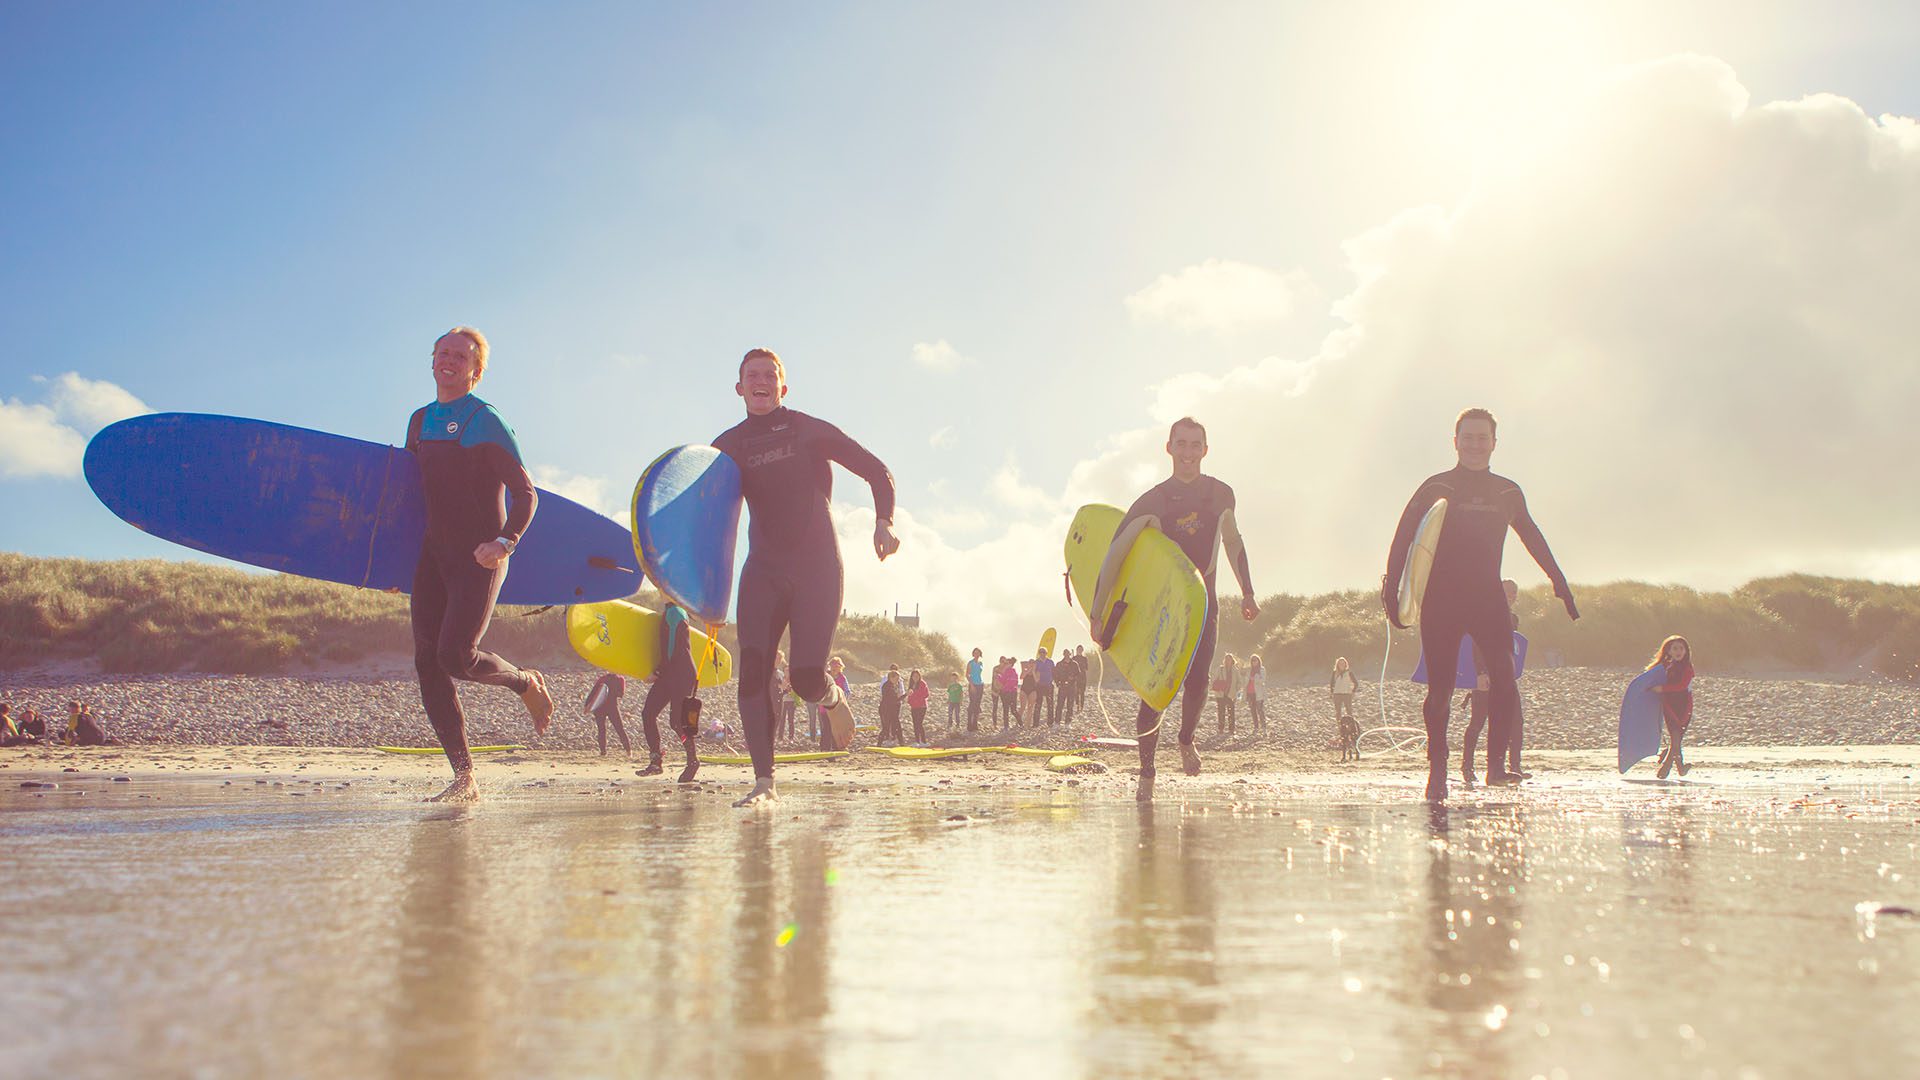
(292, 911)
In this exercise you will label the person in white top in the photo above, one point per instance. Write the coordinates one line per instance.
(1257, 693)
(1343, 685)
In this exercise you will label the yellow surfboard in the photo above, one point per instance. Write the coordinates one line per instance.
(624, 638)
(927, 753)
(778, 759)
(1046, 642)
(1413, 577)
(1165, 598)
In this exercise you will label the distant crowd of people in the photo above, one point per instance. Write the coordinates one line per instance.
(26, 727)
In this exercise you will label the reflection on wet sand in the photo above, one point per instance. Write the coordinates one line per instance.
(1466, 939)
(1159, 984)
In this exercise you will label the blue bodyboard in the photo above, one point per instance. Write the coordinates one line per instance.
(686, 522)
(1464, 675)
(1641, 717)
(327, 506)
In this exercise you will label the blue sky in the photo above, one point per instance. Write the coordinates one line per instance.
(272, 210)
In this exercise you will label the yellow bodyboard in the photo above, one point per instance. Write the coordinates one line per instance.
(624, 638)
(1413, 577)
(1165, 596)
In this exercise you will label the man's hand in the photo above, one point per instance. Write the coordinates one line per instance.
(1566, 597)
(1249, 608)
(884, 542)
(490, 554)
(1390, 603)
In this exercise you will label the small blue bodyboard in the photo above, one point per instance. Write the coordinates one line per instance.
(1641, 717)
(686, 521)
(1464, 675)
(328, 507)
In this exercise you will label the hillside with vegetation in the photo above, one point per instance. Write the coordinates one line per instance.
(152, 615)
(155, 616)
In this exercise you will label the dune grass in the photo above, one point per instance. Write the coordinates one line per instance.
(153, 615)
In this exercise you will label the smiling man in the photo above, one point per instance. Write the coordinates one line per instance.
(470, 467)
(1464, 594)
(793, 578)
(1196, 512)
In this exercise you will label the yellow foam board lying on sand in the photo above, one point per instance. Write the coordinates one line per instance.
(778, 759)
(1063, 762)
(438, 750)
(926, 753)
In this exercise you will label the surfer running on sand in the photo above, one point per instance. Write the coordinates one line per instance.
(793, 578)
(1464, 595)
(1196, 512)
(674, 681)
(470, 469)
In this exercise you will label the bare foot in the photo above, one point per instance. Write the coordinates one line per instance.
(538, 702)
(1189, 759)
(761, 795)
(1145, 792)
(464, 789)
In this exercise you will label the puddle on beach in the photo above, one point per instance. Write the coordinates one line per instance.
(237, 931)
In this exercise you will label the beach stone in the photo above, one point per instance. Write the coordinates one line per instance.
(38, 784)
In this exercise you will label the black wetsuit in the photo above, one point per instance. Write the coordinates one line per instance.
(1464, 596)
(792, 580)
(676, 680)
(469, 466)
(603, 702)
(1190, 515)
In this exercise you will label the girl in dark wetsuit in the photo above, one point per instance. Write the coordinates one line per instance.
(603, 704)
(792, 581)
(674, 682)
(1676, 701)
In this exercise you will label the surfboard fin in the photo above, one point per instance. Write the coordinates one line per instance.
(1103, 634)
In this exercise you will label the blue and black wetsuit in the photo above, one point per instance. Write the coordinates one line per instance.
(793, 579)
(674, 682)
(1464, 597)
(470, 469)
(1198, 517)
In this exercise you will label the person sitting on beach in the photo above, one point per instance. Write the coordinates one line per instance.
(73, 723)
(33, 726)
(1676, 701)
(9, 731)
(87, 730)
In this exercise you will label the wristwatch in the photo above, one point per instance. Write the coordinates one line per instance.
(505, 543)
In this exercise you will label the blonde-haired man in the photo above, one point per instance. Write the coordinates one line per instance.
(479, 502)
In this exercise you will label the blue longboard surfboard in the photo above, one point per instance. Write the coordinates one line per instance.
(1640, 718)
(1464, 674)
(327, 506)
(686, 521)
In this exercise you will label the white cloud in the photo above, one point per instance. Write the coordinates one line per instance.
(1016, 494)
(589, 491)
(939, 356)
(33, 442)
(91, 404)
(1694, 317)
(1221, 296)
(941, 437)
(50, 439)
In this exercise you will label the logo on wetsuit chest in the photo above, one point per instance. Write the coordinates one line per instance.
(1188, 523)
(780, 453)
(453, 427)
